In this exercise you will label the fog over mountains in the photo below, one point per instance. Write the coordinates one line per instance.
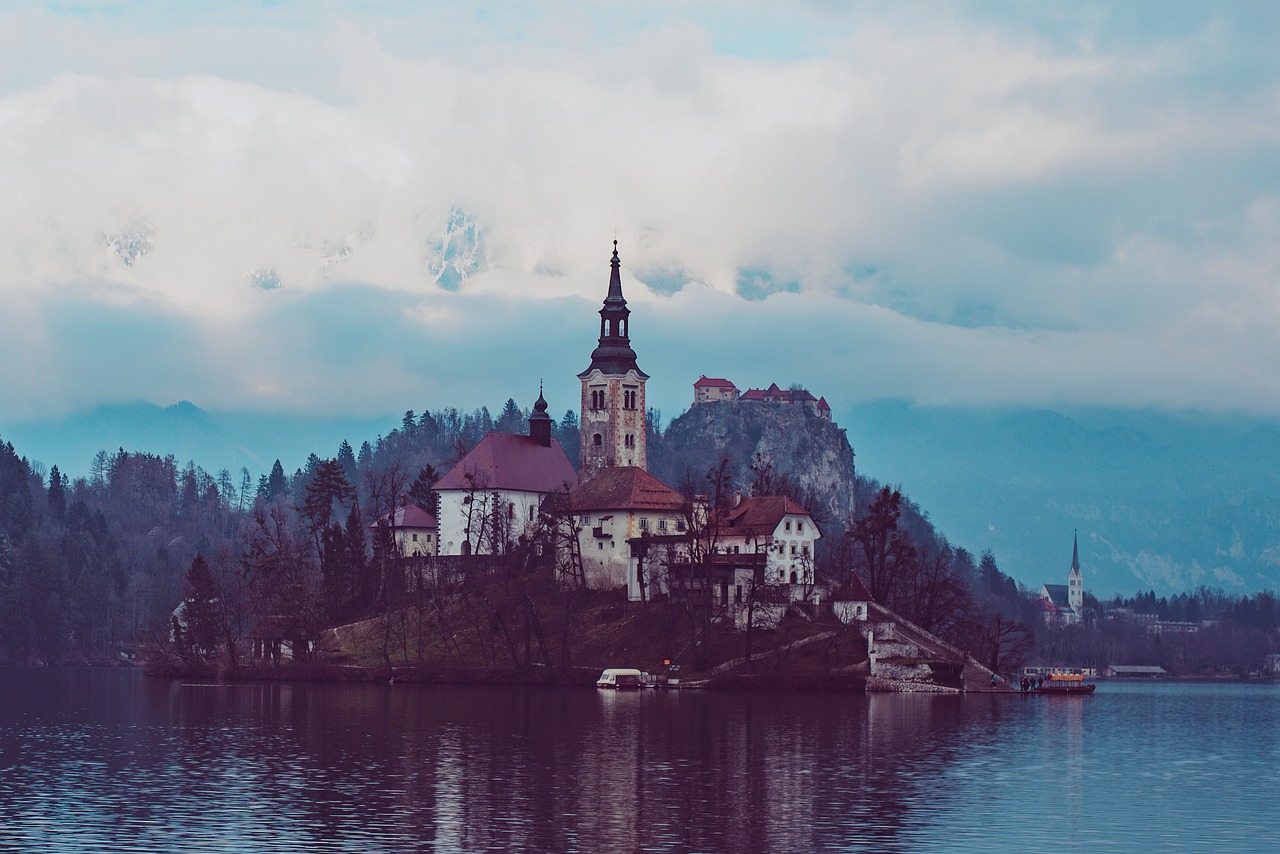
(1161, 501)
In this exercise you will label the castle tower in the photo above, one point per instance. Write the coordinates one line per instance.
(1075, 584)
(612, 421)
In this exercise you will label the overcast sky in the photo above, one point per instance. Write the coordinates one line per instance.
(245, 204)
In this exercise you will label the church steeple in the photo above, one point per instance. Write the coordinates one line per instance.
(1075, 582)
(613, 353)
(612, 422)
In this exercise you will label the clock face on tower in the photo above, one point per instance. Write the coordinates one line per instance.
(612, 419)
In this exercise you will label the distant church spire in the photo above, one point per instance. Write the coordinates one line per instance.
(1075, 551)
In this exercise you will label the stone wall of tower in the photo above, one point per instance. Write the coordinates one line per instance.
(610, 413)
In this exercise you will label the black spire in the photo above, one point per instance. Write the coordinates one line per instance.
(1075, 551)
(614, 355)
(540, 421)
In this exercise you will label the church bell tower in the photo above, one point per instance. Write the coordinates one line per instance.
(612, 422)
(1075, 582)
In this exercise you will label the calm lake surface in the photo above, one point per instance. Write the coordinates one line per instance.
(108, 760)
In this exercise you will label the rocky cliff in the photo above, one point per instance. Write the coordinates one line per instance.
(787, 443)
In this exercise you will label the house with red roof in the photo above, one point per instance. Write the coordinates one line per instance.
(708, 389)
(618, 511)
(415, 530)
(491, 497)
(772, 525)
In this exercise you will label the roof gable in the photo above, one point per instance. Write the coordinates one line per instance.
(409, 515)
(625, 488)
(759, 516)
(504, 461)
(713, 382)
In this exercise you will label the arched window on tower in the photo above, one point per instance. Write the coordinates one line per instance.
(597, 440)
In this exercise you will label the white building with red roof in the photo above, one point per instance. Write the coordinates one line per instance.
(614, 508)
(773, 525)
(492, 496)
(708, 389)
(415, 530)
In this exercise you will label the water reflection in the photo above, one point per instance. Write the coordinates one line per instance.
(106, 761)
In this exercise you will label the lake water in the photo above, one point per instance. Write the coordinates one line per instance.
(108, 760)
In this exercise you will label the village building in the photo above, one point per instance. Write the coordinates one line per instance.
(415, 530)
(1063, 604)
(772, 525)
(709, 389)
(491, 498)
(615, 510)
(612, 423)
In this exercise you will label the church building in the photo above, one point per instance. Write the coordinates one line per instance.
(1063, 604)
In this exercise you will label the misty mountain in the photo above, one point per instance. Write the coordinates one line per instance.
(1169, 501)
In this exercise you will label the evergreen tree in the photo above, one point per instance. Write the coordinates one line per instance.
(347, 459)
(277, 483)
(201, 612)
(511, 420)
(57, 494)
(420, 490)
(568, 436)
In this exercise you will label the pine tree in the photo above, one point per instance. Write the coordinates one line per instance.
(57, 494)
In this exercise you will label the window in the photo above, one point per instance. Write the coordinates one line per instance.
(793, 549)
(628, 397)
(597, 440)
(799, 527)
(788, 526)
(644, 523)
(600, 545)
(584, 519)
(680, 525)
(415, 538)
(662, 524)
(533, 512)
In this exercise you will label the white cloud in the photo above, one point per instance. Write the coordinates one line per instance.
(968, 209)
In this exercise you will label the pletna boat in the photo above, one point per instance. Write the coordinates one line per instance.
(1065, 683)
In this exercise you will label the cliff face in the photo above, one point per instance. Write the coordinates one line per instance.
(811, 453)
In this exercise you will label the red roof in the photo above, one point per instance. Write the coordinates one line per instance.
(625, 488)
(758, 516)
(509, 462)
(410, 516)
(752, 394)
(713, 382)
(823, 406)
